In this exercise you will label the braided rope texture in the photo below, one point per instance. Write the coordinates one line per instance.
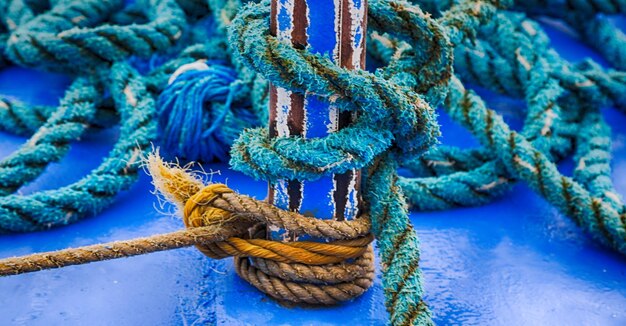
(92, 40)
(297, 272)
(504, 51)
(395, 122)
(590, 18)
(56, 40)
(527, 67)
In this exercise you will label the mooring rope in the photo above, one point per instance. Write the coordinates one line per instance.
(201, 95)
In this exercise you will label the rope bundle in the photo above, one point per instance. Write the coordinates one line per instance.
(219, 222)
(394, 123)
(562, 100)
(100, 44)
(218, 87)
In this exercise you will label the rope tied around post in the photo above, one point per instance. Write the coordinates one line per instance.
(220, 224)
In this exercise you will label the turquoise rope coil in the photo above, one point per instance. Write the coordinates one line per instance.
(96, 191)
(130, 67)
(58, 40)
(394, 123)
(601, 213)
(51, 141)
(546, 125)
(299, 70)
(590, 19)
(86, 105)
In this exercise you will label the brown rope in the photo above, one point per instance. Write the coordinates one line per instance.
(220, 223)
(107, 251)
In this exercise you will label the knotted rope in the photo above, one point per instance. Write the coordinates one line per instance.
(394, 124)
(503, 51)
(529, 67)
(219, 223)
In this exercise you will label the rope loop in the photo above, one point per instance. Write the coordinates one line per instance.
(395, 121)
(233, 218)
(391, 116)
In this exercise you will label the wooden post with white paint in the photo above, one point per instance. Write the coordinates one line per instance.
(336, 28)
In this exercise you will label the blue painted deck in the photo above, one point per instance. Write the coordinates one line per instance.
(514, 262)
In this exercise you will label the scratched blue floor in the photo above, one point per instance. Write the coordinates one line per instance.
(514, 262)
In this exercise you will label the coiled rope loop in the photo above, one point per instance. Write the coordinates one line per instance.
(51, 141)
(118, 171)
(81, 37)
(220, 223)
(472, 177)
(383, 106)
(456, 177)
(199, 210)
(305, 272)
(199, 117)
(395, 122)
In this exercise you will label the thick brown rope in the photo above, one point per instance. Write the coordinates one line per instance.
(220, 223)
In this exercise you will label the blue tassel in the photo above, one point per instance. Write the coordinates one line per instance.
(198, 119)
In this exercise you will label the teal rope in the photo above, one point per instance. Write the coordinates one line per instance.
(594, 204)
(588, 17)
(394, 123)
(286, 157)
(57, 40)
(22, 119)
(96, 191)
(450, 176)
(101, 42)
(51, 142)
(596, 215)
(480, 181)
(85, 106)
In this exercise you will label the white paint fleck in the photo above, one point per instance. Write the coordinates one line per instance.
(284, 34)
(337, 29)
(352, 203)
(333, 119)
(283, 106)
(281, 197)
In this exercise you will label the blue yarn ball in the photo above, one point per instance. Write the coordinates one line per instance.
(198, 116)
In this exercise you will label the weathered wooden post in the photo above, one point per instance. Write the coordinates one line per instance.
(336, 28)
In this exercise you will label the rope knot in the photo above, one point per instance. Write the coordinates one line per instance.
(305, 271)
(198, 210)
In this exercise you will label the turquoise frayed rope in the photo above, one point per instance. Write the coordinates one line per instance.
(394, 123)
(41, 40)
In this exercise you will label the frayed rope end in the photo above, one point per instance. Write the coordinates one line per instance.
(176, 183)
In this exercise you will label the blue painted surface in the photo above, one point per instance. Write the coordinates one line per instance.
(514, 262)
(317, 199)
